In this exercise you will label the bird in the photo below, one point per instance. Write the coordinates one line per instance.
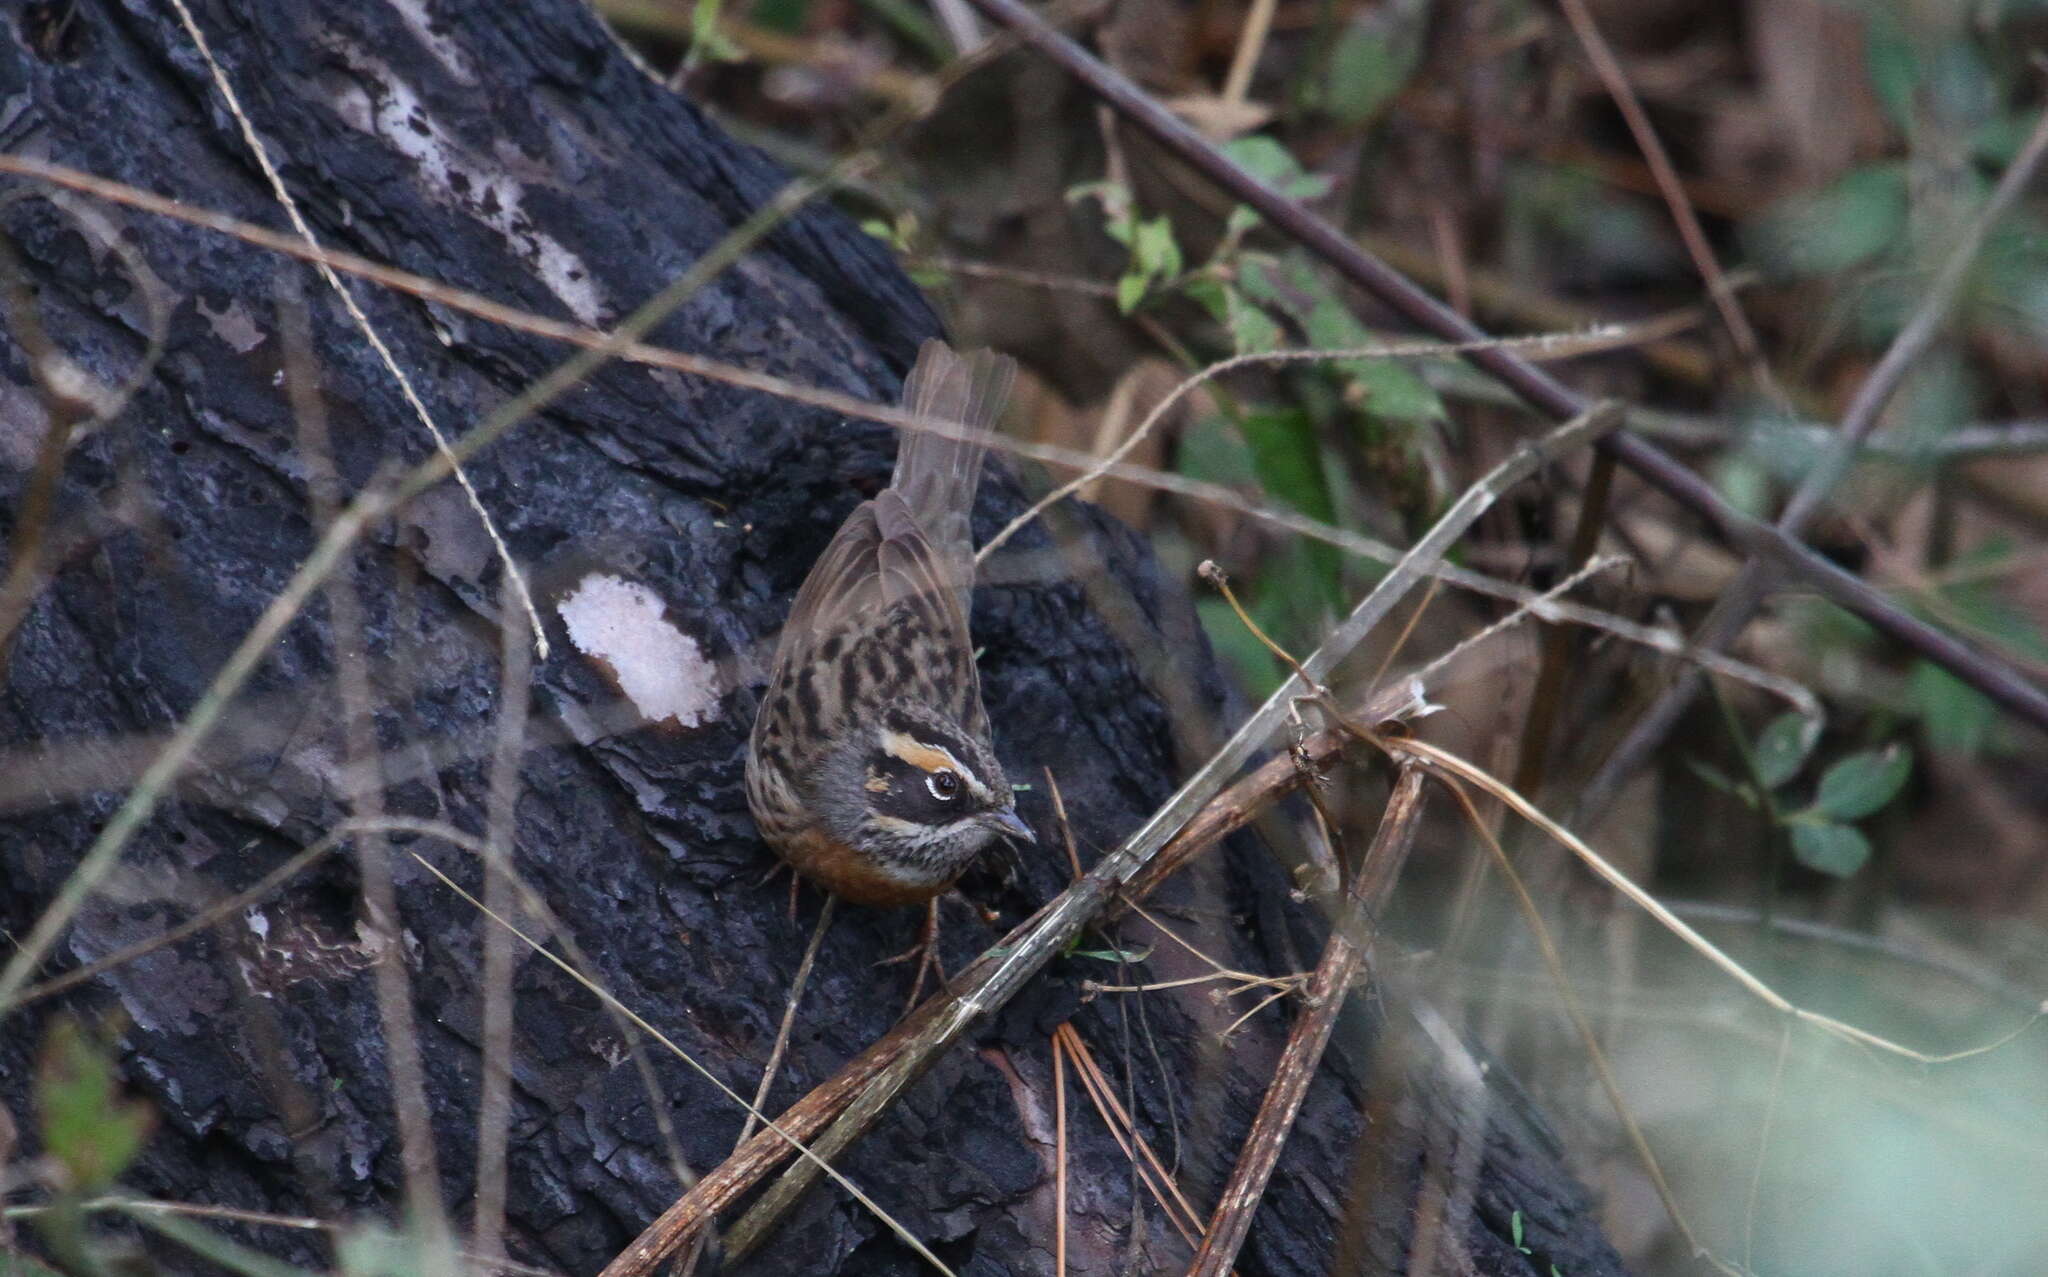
(870, 769)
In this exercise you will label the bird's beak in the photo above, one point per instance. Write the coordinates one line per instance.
(1009, 824)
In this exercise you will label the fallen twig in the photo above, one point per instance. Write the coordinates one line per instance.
(1350, 941)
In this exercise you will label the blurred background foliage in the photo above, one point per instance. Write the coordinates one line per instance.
(1888, 869)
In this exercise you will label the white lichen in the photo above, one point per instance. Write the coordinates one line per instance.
(659, 668)
(485, 188)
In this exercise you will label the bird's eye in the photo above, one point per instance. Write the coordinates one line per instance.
(945, 786)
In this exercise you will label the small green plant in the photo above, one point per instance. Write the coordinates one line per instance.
(90, 1135)
(90, 1132)
(1822, 831)
(1515, 1236)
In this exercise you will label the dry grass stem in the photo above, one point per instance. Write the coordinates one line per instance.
(1452, 765)
(513, 575)
(773, 1128)
(494, 1106)
(1157, 1179)
(1090, 465)
(363, 790)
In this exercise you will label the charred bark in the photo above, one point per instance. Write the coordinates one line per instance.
(516, 150)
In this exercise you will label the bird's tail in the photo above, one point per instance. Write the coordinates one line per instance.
(936, 475)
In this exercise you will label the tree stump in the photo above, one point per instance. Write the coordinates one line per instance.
(518, 151)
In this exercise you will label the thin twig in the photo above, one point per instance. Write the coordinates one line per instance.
(1165, 1190)
(1516, 617)
(494, 1105)
(513, 575)
(1349, 944)
(1611, 74)
(1250, 43)
(197, 922)
(1088, 463)
(72, 402)
(1763, 1147)
(1547, 695)
(782, 1032)
(1059, 1155)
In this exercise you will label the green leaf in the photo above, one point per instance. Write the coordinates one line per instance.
(1838, 850)
(1212, 450)
(1373, 59)
(1269, 161)
(1744, 484)
(1390, 390)
(91, 1131)
(1782, 748)
(1860, 217)
(1211, 292)
(1393, 391)
(1289, 460)
(1119, 211)
(787, 16)
(1957, 718)
(1242, 219)
(1258, 669)
(1154, 249)
(1862, 783)
(1121, 955)
(1252, 330)
(1984, 608)
(1130, 290)
(1891, 64)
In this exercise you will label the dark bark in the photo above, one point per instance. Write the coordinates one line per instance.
(516, 150)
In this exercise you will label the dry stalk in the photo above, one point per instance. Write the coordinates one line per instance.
(494, 1105)
(1091, 465)
(1059, 1153)
(1675, 198)
(363, 786)
(1156, 1178)
(1349, 944)
(72, 403)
